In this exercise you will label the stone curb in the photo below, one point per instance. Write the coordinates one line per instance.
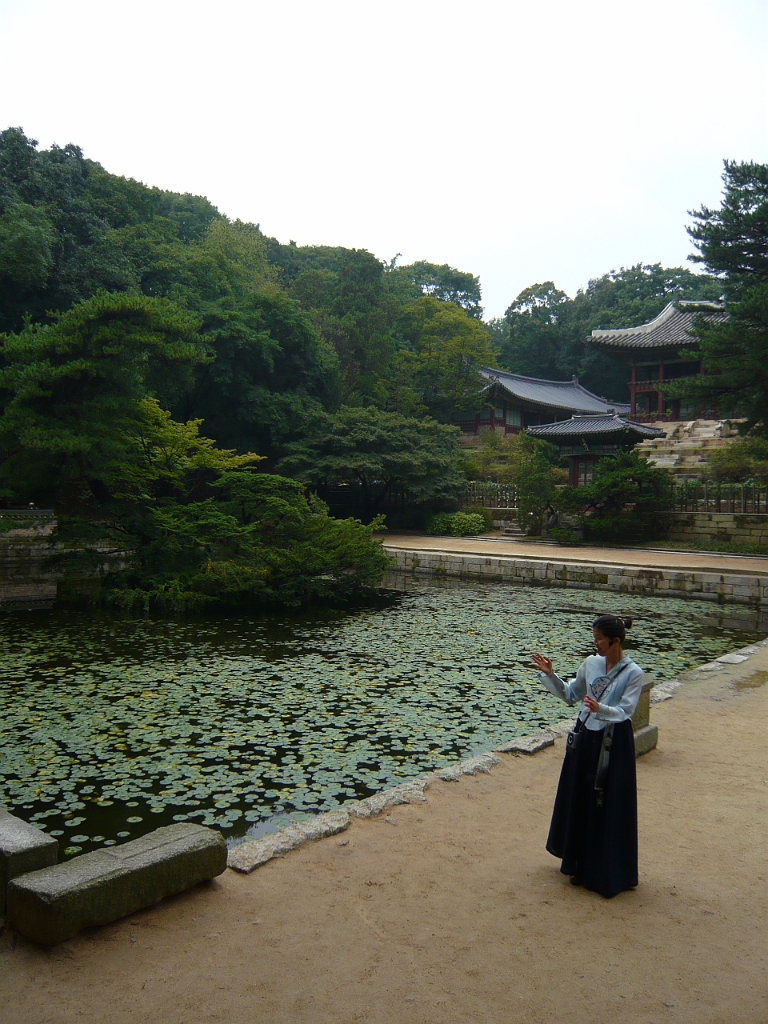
(408, 792)
(664, 691)
(528, 744)
(23, 848)
(479, 763)
(250, 855)
(747, 592)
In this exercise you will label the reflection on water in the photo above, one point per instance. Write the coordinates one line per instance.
(112, 726)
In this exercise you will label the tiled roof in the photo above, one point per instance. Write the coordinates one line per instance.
(554, 394)
(670, 329)
(586, 426)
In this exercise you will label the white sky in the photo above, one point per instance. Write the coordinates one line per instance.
(521, 141)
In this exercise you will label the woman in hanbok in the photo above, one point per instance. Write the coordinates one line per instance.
(594, 822)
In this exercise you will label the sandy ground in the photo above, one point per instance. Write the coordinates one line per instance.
(451, 912)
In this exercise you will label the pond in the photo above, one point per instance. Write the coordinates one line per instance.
(111, 727)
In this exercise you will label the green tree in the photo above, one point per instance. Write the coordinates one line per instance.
(157, 458)
(73, 221)
(446, 349)
(621, 503)
(257, 539)
(26, 247)
(527, 463)
(69, 390)
(376, 453)
(740, 460)
(438, 281)
(732, 242)
(533, 337)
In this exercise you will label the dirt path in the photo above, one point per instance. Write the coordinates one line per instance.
(451, 912)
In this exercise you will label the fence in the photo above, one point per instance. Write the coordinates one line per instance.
(26, 513)
(703, 496)
(490, 495)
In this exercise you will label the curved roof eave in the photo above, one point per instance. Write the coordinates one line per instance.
(639, 337)
(568, 401)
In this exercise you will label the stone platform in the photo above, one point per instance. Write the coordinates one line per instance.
(56, 902)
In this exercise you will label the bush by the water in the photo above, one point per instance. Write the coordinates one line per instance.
(456, 524)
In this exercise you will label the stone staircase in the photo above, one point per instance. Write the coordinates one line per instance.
(511, 530)
(685, 446)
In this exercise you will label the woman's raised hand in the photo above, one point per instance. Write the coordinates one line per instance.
(542, 664)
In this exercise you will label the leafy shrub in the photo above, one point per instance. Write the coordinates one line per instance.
(412, 517)
(485, 514)
(618, 505)
(526, 462)
(456, 524)
(744, 458)
(564, 535)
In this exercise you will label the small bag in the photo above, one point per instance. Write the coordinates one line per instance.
(574, 736)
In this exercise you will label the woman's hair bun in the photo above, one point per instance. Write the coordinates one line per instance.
(612, 626)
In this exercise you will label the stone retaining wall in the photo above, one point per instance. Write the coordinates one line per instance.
(733, 528)
(27, 579)
(750, 591)
(35, 566)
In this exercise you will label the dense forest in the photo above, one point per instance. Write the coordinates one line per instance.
(165, 372)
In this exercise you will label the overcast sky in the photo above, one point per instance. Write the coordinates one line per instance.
(522, 141)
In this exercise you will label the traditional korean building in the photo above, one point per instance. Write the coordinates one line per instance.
(657, 356)
(585, 439)
(514, 403)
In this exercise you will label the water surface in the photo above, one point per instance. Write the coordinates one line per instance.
(110, 727)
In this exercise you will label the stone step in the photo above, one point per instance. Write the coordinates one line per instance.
(511, 529)
(23, 848)
(55, 903)
(664, 460)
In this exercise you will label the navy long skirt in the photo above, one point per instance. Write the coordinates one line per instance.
(598, 843)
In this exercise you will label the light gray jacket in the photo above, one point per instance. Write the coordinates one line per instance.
(618, 703)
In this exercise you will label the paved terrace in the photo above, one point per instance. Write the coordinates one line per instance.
(645, 558)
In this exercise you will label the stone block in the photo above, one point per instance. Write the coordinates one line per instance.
(252, 854)
(664, 691)
(733, 659)
(473, 765)
(526, 744)
(562, 728)
(642, 715)
(646, 739)
(23, 848)
(55, 903)
(408, 792)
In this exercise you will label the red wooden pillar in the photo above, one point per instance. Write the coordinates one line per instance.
(632, 398)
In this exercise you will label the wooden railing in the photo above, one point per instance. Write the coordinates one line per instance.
(489, 494)
(708, 496)
(26, 513)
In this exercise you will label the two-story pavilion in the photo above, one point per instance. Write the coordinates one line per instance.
(657, 353)
(514, 402)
